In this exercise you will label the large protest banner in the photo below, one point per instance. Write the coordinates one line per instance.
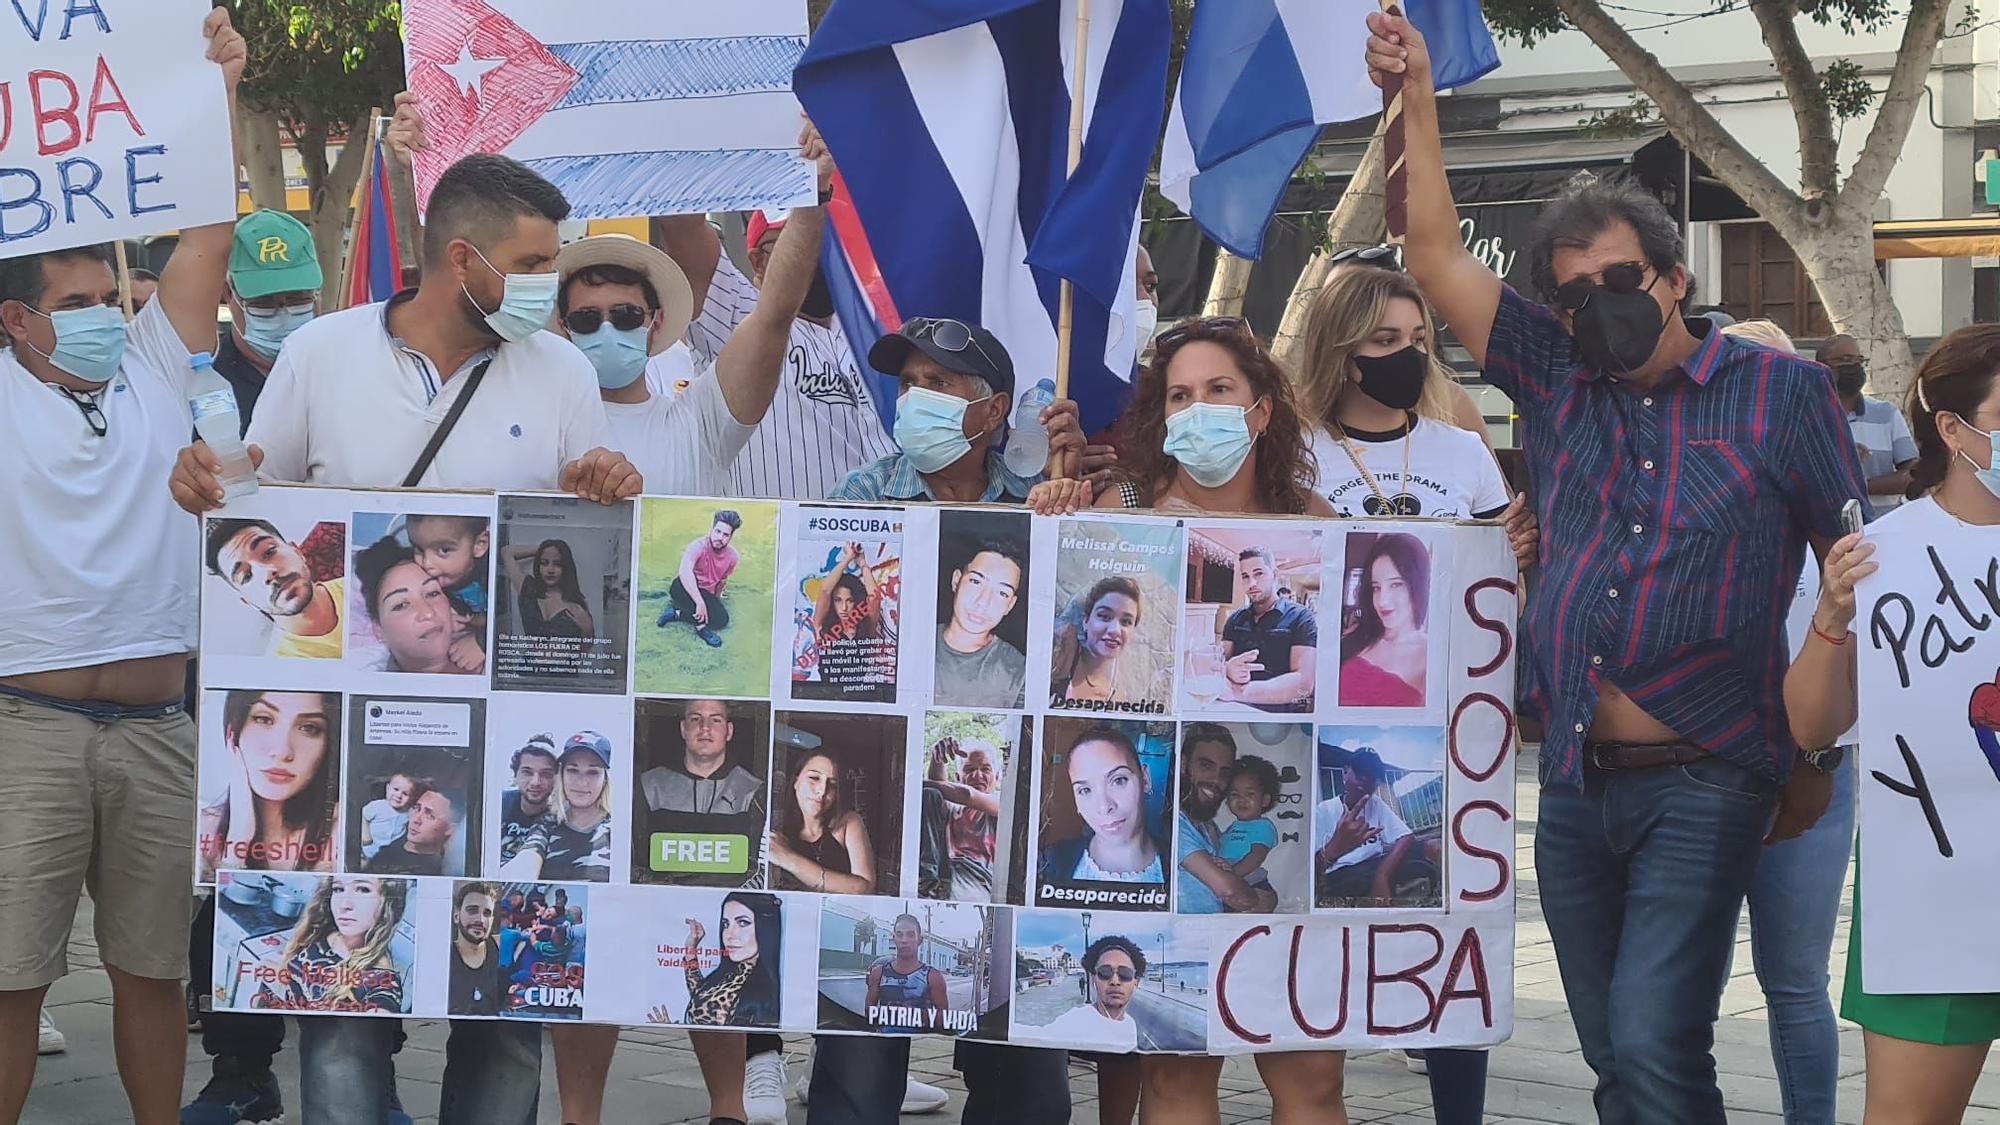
(1113, 781)
(1928, 623)
(113, 123)
(631, 107)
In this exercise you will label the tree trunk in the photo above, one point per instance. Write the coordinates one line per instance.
(257, 138)
(1842, 265)
(1227, 287)
(1357, 220)
(332, 191)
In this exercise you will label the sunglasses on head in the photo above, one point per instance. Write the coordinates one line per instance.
(953, 336)
(1121, 973)
(625, 317)
(1382, 257)
(1623, 277)
(1201, 328)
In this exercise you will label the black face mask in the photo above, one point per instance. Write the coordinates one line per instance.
(1395, 380)
(1618, 332)
(819, 299)
(1849, 376)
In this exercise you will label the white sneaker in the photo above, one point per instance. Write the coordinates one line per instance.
(922, 1097)
(764, 1088)
(1416, 1062)
(50, 1040)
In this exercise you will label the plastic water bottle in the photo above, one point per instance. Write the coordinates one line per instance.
(1028, 446)
(216, 420)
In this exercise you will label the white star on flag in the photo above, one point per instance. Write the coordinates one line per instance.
(469, 72)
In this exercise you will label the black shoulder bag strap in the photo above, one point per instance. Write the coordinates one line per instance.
(444, 429)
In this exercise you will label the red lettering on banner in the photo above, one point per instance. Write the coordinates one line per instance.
(1506, 734)
(6, 114)
(100, 104)
(1470, 955)
(46, 115)
(1500, 861)
(1292, 985)
(1498, 628)
(1412, 976)
(1222, 1008)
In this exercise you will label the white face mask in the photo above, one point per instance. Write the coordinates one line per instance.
(1145, 322)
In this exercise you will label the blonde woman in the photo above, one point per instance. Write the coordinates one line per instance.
(1763, 333)
(338, 959)
(575, 842)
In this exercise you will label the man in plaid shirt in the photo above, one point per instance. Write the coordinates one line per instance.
(1678, 475)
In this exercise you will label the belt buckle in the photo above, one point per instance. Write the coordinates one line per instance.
(1597, 756)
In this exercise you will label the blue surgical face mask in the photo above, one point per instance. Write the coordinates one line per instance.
(618, 354)
(1990, 475)
(1211, 441)
(527, 301)
(90, 343)
(266, 330)
(931, 428)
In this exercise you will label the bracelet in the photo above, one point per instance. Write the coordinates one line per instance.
(1829, 638)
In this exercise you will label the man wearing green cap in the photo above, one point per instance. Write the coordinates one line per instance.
(274, 283)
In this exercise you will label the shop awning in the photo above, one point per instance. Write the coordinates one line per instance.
(1977, 237)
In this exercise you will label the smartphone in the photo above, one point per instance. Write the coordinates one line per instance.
(1850, 516)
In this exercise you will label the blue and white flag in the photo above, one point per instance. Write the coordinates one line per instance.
(1261, 77)
(949, 120)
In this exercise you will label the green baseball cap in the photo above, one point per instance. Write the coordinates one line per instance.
(273, 253)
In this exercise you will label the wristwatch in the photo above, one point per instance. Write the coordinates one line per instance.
(1824, 761)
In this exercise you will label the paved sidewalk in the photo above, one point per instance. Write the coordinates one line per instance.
(1537, 1077)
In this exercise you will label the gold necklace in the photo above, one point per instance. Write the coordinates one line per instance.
(1354, 455)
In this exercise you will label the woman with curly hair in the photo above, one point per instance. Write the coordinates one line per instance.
(338, 959)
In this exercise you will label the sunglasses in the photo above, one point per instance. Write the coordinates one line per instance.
(626, 317)
(1123, 974)
(1624, 277)
(953, 336)
(1382, 257)
(1201, 328)
(93, 415)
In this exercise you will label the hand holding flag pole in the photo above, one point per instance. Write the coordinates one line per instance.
(1064, 465)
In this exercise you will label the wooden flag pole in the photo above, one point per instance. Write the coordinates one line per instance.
(1066, 311)
(354, 209)
(124, 277)
(1395, 169)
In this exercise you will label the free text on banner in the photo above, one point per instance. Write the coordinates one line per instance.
(1115, 781)
(113, 123)
(688, 109)
(1928, 623)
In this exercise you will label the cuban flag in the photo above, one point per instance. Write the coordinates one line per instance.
(949, 120)
(1261, 77)
(376, 270)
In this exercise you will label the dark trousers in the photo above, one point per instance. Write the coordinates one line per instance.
(1458, 1084)
(251, 1040)
(858, 1080)
(718, 614)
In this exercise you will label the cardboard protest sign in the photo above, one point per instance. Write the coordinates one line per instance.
(662, 107)
(113, 123)
(1928, 626)
(706, 739)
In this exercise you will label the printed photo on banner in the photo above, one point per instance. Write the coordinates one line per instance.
(706, 573)
(552, 764)
(540, 941)
(1103, 823)
(315, 943)
(1251, 619)
(899, 965)
(1378, 829)
(699, 809)
(1244, 832)
(413, 785)
(274, 587)
(1117, 589)
(1109, 981)
(719, 961)
(837, 802)
(566, 604)
(982, 610)
(1385, 643)
(270, 781)
(847, 605)
(412, 611)
(964, 816)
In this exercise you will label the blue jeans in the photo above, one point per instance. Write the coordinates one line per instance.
(492, 1071)
(1643, 875)
(858, 1080)
(1793, 905)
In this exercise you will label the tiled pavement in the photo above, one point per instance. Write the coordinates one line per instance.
(1537, 1077)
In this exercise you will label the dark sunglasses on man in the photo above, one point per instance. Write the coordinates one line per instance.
(1623, 277)
(1122, 973)
(624, 317)
(1381, 257)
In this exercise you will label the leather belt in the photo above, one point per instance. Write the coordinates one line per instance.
(1641, 755)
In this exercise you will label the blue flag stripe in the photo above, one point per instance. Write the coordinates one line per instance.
(655, 70)
(671, 182)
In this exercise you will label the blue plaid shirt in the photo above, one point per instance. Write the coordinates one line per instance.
(1674, 523)
(895, 478)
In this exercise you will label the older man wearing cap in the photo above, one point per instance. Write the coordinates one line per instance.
(274, 284)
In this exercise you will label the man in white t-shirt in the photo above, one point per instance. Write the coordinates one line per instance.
(1368, 869)
(1114, 967)
(96, 750)
(823, 424)
(353, 401)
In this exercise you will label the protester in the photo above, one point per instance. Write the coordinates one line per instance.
(1881, 434)
(573, 843)
(145, 283)
(478, 979)
(1924, 1052)
(93, 663)
(274, 287)
(351, 403)
(1654, 636)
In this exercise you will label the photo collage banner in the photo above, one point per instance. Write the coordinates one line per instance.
(1117, 782)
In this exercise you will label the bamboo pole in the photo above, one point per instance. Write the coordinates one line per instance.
(1066, 313)
(1396, 171)
(124, 277)
(354, 209)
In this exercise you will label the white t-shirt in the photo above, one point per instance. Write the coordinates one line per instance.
(1088, 1025)
(822, 425)
(100, 564)
(670, 372)
(1375, 812)
(348, 405)
(384, 824)
(1452, 473)
(682, 446)
(1882, 432)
